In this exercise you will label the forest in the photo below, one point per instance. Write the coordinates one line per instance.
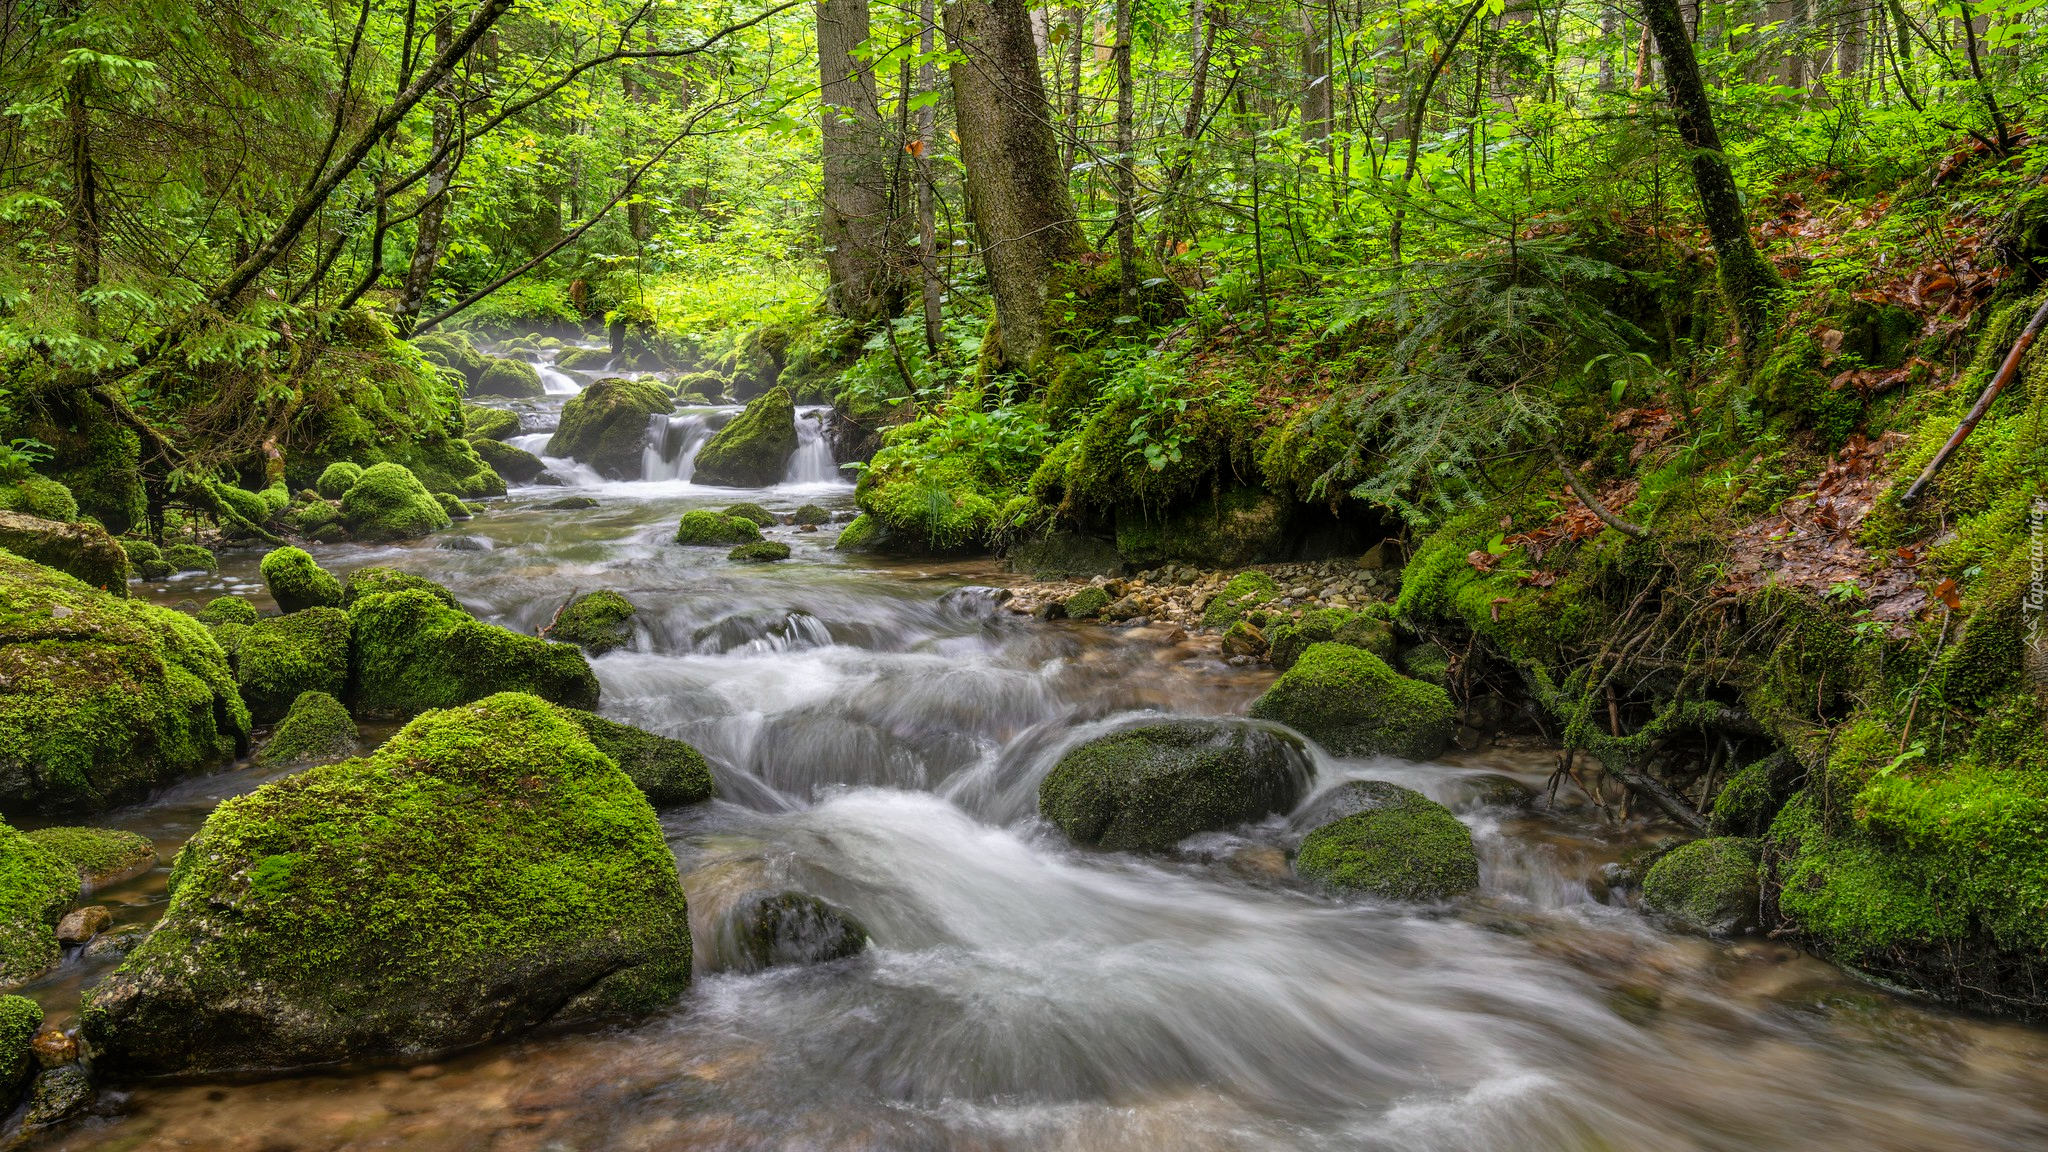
(1199, 574)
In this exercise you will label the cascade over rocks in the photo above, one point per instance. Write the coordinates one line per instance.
(605, 425)
(753, 450)
(106, 698)
(1149, 788)
(485, 871)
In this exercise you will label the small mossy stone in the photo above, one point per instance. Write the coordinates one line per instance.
(568, 504)
(283, 656)
(227, 610)
(481, 423)
(778, 929)
(414, 652)
(1349, 799)
(190, 558)
(81, 550)
(390, 503)
(668, 771)
(702, 526)
(1244, 639)
(605, 425)
(1350, 702)
(811, 514)
(105, 697)
(516, 465)
(58, 1094)
(452, 505)
(865, 533)
(141, 552)
(760, 552)
(1404, 846)
(1290, 638)
(1708, 885)
(102, 856)
(1087, 604)
(596, 622)
(1149, 788)
(316, 730)
(485, 871)
(753, 450)
(337, 478)
(506, 377)
(370, 581)
(39, 496)
(20, 1019)
(759, 515)
(315, 518)
(297, 582)
(1246, 591)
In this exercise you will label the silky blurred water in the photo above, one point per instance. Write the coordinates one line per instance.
(878, 731)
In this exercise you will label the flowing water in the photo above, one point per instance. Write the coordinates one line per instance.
(878, 732)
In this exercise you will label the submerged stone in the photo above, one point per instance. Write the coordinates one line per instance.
(776, 929)
(485, 871)
(1151, 787)
(1394, 843)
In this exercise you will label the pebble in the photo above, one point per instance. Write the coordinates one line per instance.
(53, 1048)
(82, 924)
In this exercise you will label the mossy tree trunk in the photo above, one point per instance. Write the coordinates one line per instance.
(426, 249)
(1022, 210)
(1747, 279)
(855, 222)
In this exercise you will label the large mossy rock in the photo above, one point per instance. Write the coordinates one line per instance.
(1395, 843)
(297, 582)
(82, 550)
(669, 771)
(390, 503)
(1708, 885)
(596, 622)
(283, 656)
(101, 856)
(1349, 701)
(36, 886)
(1290, 638)
(481, 423)
(1242, 526)
(753, 450)
(316, 729)
(516, 465)
(605, 425)
(506, 377)
(452, 350)
(412, 652)
(370, 581)
(1149, 788)
(485, 871)
(105, 698)
(38, 496)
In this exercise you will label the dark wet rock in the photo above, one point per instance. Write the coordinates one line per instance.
(1149, 788)
(465, 544)
(1242, 526)
(669, 771)
(59, 1095)
(485, 871)
(776, 929)
(1394, 843)
(1066, 555)
(115, 943)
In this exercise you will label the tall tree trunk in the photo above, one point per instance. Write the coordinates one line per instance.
(1077, 39)
(1747, 279)
(1019, 194)
(426, 249)
(927, 222)
(85, 202)
(855, 221)
(1610, 23)
(1315, 74)
(1126, 161)
(1201, 38)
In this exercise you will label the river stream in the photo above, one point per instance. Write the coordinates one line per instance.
(878, 730)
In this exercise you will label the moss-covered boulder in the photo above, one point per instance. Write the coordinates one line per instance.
(516, 465)
(1708, 885)
(337, 478)
(101, 856)
(605, 425)
(296, 582)
(227, 610)
(1242, 526)
(1086, 604)
(451, 350)
(370, 581)
(505, 377)
(38, 496)
(282, 656)
(596, 622)
(1149, 788)
(703, 526)
(865, 533)
(1291, 637)
(669, 771)
(105, 698)
(753, 450)
(759, 515)
(390, 503)
(316, 730)
(767, 929)
(414, 652)
(1244, 592)
(481, 423)
(1399, 845)
(1350, 702)
(584, 359)
(191, 558)
(36, 886)
(811, 514)
(1244, 639)
(759, 552)
(701, 387)
(83, 550)
(485, 871)
(145, 559)
(20, 1019)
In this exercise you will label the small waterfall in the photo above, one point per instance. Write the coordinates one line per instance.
(812, 463)
(554, 381)
(672, 444)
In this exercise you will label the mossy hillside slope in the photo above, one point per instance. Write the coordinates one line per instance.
(1350, 702)
(753, 450)
(106, 697)
(1149, 788)
(605, 425)
(487, 870)
(412, 651)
